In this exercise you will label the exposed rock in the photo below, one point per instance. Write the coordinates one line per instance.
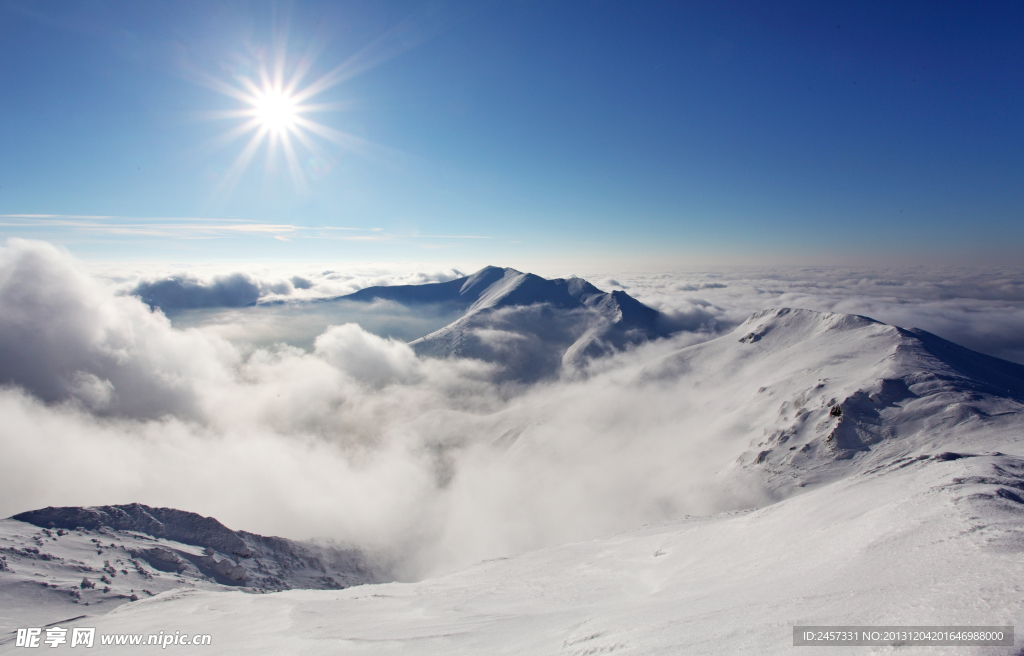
(164, 560)
(177, 525)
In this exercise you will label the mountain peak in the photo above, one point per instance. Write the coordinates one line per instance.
(476, 283)
(794, 324)
(492, 287)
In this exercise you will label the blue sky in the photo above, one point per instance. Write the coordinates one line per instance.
(637, 134)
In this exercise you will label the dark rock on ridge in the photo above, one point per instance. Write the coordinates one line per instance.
(178, 525)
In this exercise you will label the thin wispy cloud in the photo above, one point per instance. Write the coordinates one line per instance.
(205, 228)
(56, 216)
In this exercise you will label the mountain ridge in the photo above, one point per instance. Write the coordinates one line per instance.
(840, 393)
(495, 287)
(247, 559)
(532, 327)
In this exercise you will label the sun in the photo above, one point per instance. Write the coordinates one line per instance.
(275, 111)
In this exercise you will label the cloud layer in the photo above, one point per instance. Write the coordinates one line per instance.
(428, 464)
(980, 309)
(235, 289)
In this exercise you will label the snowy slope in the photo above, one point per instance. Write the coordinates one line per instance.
(461, 291)
(57, 563)
(840, 393)
(758, 410)
(932, 542)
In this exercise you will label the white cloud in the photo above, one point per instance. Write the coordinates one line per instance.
(59, 327)
(367, 358)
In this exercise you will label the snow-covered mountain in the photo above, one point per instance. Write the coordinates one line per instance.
(531, 326)
(809, 397)
(888, 464)
(61, 562)
(492, 288)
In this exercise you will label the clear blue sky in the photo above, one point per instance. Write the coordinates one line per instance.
(504, 132)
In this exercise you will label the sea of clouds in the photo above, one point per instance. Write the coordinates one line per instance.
(980, 309)
(317, 420)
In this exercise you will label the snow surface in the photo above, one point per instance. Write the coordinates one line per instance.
(925, 542)
(891, 478)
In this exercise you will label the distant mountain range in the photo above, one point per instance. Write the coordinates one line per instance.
(530, 325)
(494, 287)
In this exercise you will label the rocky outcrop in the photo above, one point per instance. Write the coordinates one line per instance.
(177, 525)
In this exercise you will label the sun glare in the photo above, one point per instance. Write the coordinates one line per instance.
(274, 116)
(275, 111)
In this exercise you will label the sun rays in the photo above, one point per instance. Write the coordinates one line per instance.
(275, 109)
(277, 96)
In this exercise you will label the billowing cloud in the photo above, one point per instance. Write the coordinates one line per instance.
(366, 357)
(64, 336)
